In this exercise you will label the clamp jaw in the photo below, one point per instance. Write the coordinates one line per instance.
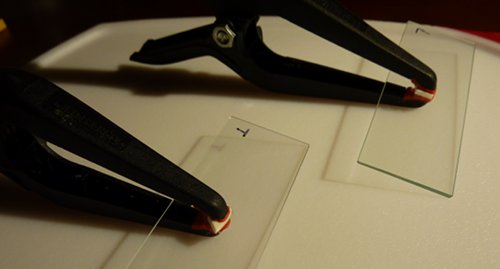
(236, 40)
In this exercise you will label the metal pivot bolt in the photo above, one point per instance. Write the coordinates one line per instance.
(223, 36)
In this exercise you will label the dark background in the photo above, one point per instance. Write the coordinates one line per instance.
(34, 26)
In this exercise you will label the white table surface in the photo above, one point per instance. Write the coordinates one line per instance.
(324, 223)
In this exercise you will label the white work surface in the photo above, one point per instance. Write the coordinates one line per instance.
(381, 223)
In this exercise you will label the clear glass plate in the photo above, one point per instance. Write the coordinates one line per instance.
(253, 168)
(422, 145)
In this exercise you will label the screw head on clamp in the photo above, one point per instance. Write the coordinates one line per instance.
(223, 36)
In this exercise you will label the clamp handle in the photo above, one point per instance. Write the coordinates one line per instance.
(236, 40)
